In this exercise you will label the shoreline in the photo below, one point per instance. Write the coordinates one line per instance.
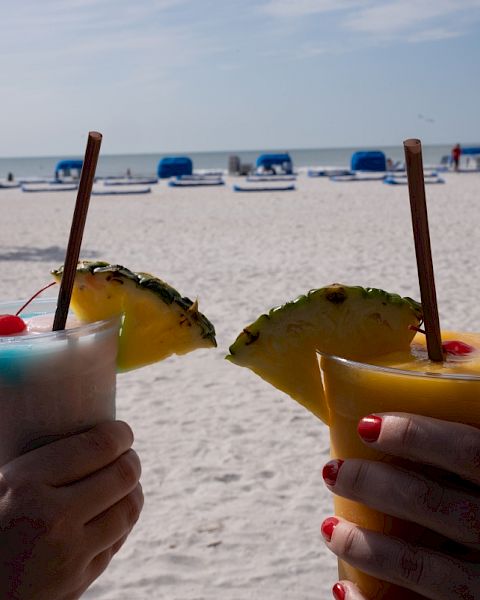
(145, 164)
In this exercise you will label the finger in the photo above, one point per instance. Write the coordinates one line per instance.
(93, 495)
(423, 571)
(98, 565)
(346, 590)
(117, 545)
(411, 496)
(70, 459)
(108, 528)
(453, 447)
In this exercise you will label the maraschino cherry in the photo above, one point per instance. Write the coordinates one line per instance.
(457, 348)
(12, 324)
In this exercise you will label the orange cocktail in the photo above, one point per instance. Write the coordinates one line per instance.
(401, 382)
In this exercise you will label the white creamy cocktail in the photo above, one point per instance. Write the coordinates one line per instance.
(54, 384)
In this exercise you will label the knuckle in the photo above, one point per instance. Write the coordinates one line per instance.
(117, 546)
(27, 501)
(411, 564)
(128, 468)
(350, 541)
(408, 432)
(100, 563)
(103, 441)
(360, 478)
(423, 496)
(134, 504)
(469, 452)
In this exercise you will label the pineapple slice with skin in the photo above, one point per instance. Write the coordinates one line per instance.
(156, 320)
(351, 322)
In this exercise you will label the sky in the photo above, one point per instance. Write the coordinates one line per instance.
(212, 75)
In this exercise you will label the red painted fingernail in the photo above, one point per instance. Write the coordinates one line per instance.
(330, 471)
(369, 428)
(339, 591)
(328, 526)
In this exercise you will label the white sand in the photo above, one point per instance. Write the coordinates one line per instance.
(231, 467)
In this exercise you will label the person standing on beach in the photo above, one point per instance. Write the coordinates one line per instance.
(456, 152)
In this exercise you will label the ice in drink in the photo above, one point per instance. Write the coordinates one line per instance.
(53, 384)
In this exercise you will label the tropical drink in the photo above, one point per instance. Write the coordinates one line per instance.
(371, 360)
(54, 384)
(398, 382)
(58, 383)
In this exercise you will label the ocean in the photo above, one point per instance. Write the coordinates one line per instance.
(146, 164)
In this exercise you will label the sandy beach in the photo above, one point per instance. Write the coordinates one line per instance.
(234, 496)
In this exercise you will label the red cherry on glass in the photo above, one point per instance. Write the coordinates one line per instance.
(457, 348)
(10, 324)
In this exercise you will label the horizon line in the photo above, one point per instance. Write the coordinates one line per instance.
(232, 151)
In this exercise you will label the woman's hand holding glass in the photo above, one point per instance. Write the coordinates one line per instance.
(437, 486)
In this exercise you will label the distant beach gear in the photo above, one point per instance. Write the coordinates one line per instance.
(130, 181)
(474, 153)
(200, 177)
(234, 164)
(48, 187)
(5, 185)
(236, 167)
(208, 173)
(120, 190)
(268, 162)
(328, 172)
(369, 160)
(195, 181)
(393, 180)
(30, 180)
(263, 188)
(271, 178)
(173, 166)
(65, 167)
(470, 150)
(359, 177)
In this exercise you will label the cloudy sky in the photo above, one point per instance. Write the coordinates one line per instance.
(193, 75)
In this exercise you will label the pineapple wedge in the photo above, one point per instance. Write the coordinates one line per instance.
(156, 320)
(352, 322)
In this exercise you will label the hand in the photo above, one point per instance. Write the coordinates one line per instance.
(65, 510)
(438, 488)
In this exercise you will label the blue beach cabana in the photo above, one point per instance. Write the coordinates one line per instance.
(64, 168)
(471, 150)
(268, 162)
(370, 160)
(174, 166)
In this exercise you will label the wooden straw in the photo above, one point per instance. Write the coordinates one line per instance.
(76, 232)
(418, 205)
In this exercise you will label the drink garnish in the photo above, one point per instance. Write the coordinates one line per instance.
(347, 321)
(12, 324)
(457, 348)
(156, 320)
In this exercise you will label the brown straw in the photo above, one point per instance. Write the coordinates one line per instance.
(418, 205)
(76, 232)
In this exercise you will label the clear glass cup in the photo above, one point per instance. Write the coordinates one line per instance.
(54, 384)
(354, 390)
